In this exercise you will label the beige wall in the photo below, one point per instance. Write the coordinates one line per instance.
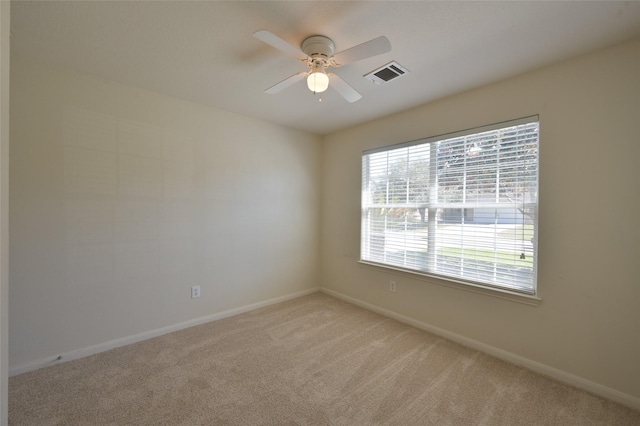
(588, 323)
(122, 199)
(5, 11)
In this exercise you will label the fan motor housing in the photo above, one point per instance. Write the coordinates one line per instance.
(318, 45)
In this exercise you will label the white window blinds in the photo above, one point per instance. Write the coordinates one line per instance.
(461, 206)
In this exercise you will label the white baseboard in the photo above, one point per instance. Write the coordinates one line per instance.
(102, 347)
(562, 376)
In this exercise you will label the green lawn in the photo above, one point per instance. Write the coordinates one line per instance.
(505, 257)
(520, 232)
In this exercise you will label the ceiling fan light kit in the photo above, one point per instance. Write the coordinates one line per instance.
(318, 80)
(317, 52)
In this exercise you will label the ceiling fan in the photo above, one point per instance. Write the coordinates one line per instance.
(317, 52)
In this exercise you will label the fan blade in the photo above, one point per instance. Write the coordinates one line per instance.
(340, 86)
(274, 41)
(374, 47)
(286, 83)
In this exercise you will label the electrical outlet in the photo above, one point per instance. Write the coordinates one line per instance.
(195, 291)
(392, 286)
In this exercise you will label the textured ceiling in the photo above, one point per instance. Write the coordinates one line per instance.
(205, 52)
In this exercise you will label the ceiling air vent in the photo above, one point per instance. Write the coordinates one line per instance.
(386, 73)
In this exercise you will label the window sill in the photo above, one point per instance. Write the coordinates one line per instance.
(513, 296)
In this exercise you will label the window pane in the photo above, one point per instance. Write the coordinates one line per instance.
(462, 207)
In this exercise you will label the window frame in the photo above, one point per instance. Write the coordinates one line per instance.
(525, 296)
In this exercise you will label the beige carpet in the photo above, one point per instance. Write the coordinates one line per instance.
(314, 360)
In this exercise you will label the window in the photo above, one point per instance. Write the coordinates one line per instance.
(462, 206)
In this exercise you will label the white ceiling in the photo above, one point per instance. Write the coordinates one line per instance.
(205, 52)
